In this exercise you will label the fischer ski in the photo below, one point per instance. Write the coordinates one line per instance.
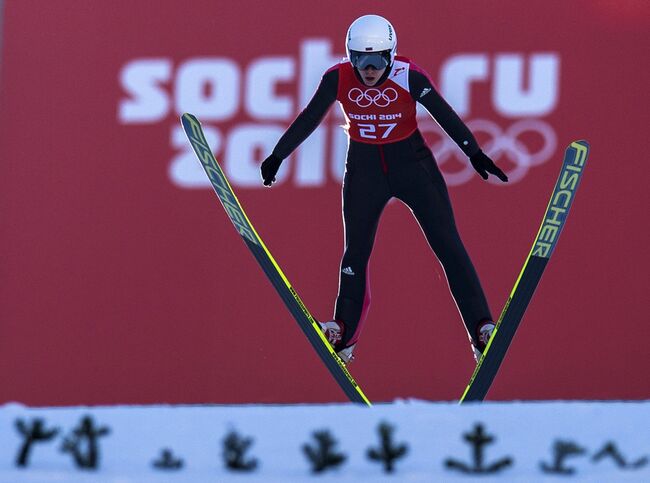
(557, 211)
(235, 212)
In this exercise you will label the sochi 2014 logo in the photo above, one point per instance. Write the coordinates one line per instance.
(380, 98)
(244, 111)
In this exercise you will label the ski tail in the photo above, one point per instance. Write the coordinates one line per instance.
(276, 276)
(557, 210)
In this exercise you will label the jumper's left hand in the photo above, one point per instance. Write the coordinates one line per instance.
(484, 165)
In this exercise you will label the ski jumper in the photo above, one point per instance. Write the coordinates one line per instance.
(388, 157)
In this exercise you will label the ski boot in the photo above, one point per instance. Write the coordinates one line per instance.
(483, 334)
(333, 332)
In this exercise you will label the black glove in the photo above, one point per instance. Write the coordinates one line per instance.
(269, 169)
(484, 165)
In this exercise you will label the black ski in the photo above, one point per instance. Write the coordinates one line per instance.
(557, 211)
(307, 323)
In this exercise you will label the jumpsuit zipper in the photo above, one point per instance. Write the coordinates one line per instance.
(384, 166)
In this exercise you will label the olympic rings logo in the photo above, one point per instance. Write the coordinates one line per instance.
(372, 96)
(506, 147)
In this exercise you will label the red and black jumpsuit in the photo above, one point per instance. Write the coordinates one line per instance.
(387, 157)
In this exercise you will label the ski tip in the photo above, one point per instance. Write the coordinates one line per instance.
(583, 142)
(187, 115)
(579, 151)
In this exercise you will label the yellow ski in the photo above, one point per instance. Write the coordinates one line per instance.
(235, 212)
(557, 211)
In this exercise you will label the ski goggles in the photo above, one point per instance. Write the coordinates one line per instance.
(363, 60)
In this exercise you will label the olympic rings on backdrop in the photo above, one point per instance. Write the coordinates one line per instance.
(502, 144)
(372, 96)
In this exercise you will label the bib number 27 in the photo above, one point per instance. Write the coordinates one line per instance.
(371, 131)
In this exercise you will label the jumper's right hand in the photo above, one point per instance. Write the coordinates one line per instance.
(269, 169)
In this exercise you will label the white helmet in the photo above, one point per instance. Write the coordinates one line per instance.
(371, 40)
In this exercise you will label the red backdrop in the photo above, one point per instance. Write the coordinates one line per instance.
(123, 281)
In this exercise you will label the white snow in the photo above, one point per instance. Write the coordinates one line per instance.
(433, 431)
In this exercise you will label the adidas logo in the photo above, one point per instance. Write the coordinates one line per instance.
(348, 271)
(425, 91)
